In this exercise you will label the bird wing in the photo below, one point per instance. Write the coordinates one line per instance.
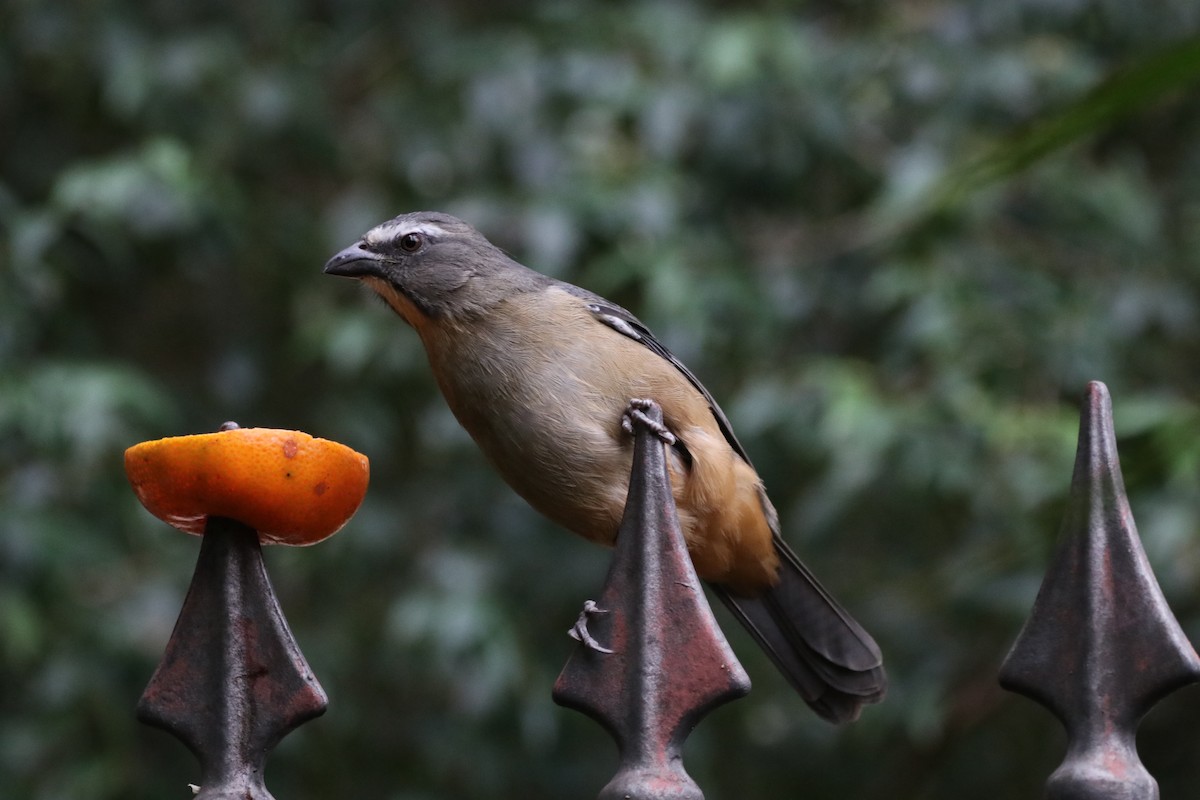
(824, 653)
(627, 324)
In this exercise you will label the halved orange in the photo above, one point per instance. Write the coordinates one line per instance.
(290, 487)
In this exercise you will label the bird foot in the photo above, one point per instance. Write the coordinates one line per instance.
(636, 412)
(579, 631)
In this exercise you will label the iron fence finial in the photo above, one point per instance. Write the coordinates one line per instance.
(1101, 646)
(670, 664)
(232, 682)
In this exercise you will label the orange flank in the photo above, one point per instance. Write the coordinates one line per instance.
(290, 487)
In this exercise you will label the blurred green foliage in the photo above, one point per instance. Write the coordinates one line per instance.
(896, 239)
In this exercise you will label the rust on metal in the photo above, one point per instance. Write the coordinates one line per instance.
(669, 663)
(232, 682)
(1100, 647)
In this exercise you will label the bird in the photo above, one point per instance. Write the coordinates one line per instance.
(541, 374)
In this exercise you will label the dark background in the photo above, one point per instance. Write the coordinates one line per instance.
(895, 239)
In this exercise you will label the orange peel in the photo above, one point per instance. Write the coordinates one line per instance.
(292, 488)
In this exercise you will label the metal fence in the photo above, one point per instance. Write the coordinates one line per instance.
(1099, 649)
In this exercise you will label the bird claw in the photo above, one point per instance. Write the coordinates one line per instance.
(636, 412)
(579, 631)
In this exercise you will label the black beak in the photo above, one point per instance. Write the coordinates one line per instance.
(355, 262)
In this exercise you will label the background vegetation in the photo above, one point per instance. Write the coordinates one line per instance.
(895, 238)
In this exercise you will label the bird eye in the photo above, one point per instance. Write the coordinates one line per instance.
(411, 242)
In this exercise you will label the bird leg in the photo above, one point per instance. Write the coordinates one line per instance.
(579, 631)
(636, 412)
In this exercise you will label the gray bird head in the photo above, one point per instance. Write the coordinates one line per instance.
(432, 266)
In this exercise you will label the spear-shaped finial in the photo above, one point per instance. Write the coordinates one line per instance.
(1100, 647)
(667, 663)
(232, 682)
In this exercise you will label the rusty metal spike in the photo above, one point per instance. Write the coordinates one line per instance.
(232, 682)
(1100, 647)
(670, 664)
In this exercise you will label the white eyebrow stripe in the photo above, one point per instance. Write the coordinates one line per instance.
(391, 231)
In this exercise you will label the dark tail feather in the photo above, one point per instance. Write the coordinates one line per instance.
(828, 658)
